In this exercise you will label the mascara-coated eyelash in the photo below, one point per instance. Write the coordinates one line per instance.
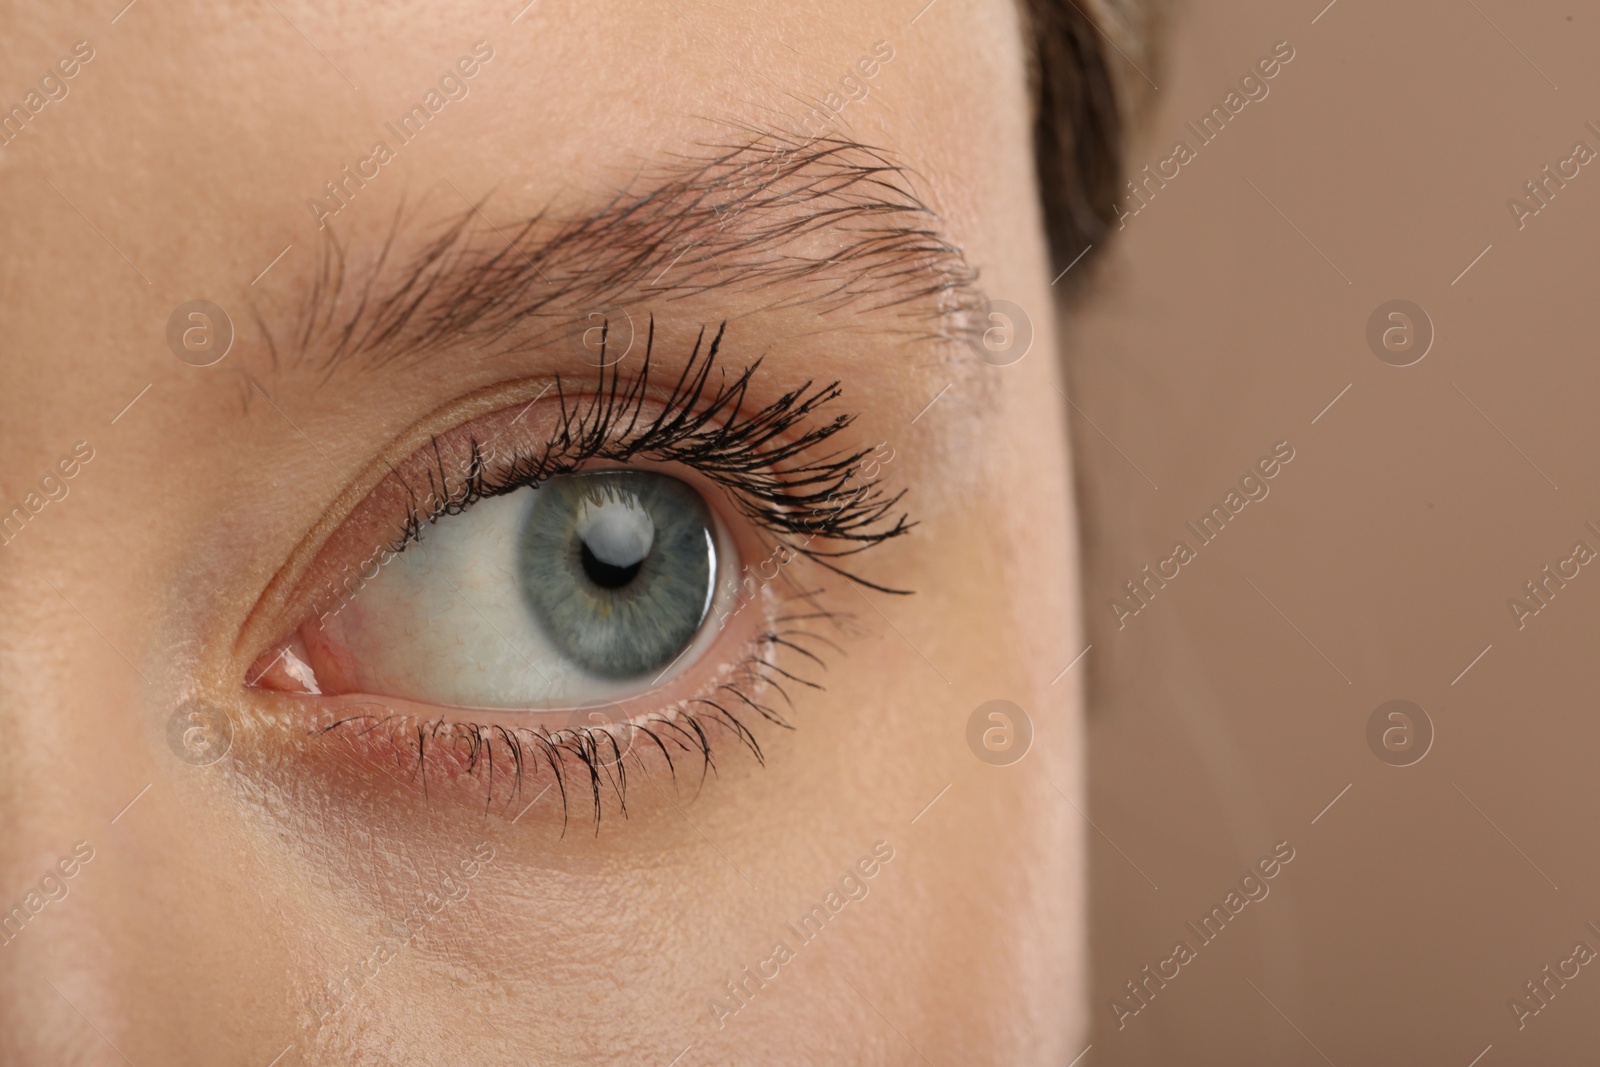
(778, 474)
(700, 425)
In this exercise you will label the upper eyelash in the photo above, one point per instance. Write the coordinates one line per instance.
(700, 426)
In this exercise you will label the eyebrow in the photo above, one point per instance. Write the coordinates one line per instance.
(828, 225)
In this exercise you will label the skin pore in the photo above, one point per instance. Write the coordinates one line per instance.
(652, 160)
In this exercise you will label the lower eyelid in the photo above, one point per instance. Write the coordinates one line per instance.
(562, 763)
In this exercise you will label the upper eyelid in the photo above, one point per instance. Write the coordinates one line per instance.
(808, 498)
(289, 596)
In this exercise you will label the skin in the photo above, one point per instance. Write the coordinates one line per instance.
(219, 905)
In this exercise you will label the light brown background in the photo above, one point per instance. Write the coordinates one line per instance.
(1393, 541)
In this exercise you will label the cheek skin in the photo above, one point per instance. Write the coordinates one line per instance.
(1012, 626)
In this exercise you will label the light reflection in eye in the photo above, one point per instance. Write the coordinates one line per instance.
(585, 589)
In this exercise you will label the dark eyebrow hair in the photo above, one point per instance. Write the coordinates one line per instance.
(828, 224)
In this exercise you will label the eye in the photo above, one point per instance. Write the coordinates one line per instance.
(589, 587)
(529, 587)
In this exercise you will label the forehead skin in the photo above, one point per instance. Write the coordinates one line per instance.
(176, 168)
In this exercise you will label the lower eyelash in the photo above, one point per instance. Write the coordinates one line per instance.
(593, 756)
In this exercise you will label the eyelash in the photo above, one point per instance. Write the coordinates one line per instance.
(596, 750)
(752, 457)
(743, 455)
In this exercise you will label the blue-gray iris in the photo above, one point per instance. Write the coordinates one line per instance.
(618, 568)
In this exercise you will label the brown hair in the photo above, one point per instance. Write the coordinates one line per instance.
(1082, 110)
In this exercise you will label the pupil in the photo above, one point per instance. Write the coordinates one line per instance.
(607, 575)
